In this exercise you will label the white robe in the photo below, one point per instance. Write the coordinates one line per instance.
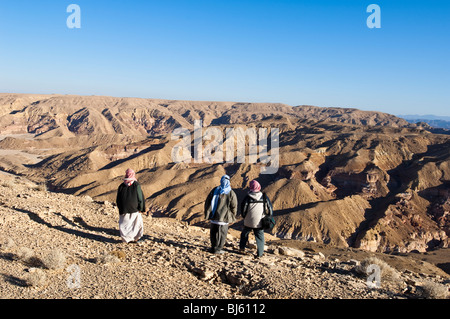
(131, 227)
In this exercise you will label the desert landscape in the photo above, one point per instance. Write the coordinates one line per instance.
(351, 185)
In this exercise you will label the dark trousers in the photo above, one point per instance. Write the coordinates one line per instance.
(218, 235)
(259, 236)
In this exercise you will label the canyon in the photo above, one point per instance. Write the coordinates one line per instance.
(346, 178)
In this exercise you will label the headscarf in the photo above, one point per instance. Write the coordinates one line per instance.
(130, 177)
(225, 185)
(224, 188)
(255, 186)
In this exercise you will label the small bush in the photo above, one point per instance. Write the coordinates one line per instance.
(36, 278)
(24, 254)
(7, 243)
(118, 253)
(7, 183)
(387, 272)
(434, 290)
(107, 258)
(42, 187)
(56, 259)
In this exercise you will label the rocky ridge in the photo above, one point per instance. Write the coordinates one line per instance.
(70, 115)
(172, 261)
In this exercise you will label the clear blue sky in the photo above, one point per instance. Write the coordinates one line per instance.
(312, 52)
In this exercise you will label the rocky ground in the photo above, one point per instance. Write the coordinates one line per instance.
(172, 261)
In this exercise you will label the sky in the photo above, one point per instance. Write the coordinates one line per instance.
(312, 52)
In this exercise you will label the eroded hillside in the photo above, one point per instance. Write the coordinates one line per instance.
(345, 177)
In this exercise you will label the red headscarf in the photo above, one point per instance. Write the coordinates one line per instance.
(255, 186)
(130, 177)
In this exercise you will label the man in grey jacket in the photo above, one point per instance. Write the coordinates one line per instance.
(221, 210)
(254, 207)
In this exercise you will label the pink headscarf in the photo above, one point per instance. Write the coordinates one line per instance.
(130, 177)
(255, 186)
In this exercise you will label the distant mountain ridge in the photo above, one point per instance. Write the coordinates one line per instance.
(426, 117)
(432, 120)
(71, 115)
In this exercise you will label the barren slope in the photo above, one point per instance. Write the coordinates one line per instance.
(380, 186)
(172, 262)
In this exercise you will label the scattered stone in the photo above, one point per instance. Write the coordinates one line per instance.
(319, 256)
(288, 251)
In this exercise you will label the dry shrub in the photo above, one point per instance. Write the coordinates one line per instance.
(36, 278)
(434, 290)
(7, 243)
(118, 253)
(56, 259)
(7, 184)
(42, 187)
(386, 271)
(107, 258)
(24, 254)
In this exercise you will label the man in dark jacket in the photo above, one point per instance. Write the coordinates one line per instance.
(130, 199)
(131, 203)
(221, 210)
